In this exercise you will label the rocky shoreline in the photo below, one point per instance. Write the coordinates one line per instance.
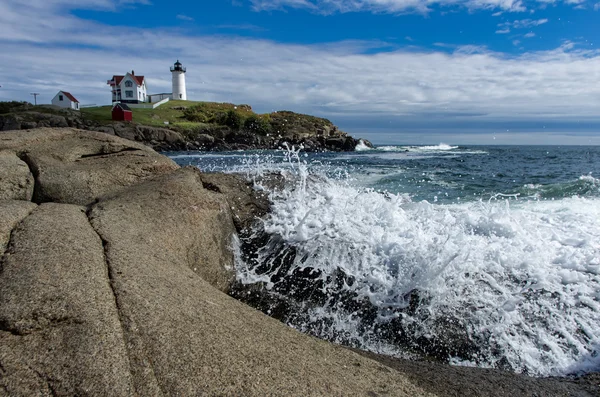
(115, 270)
(292, 129)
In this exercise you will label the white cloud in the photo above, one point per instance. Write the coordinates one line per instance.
(338, 80)
(522, 23)
(382, 6)
(405, 6)
(503, 31)
(528, 23)
(184, 17)
(529, 35)
(597, 6)
(243, 26)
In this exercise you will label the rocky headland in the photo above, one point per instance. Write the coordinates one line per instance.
(185, 125)
(115, 273)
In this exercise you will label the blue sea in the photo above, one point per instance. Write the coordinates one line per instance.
(478, 255)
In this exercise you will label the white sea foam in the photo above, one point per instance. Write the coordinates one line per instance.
(361, 147)
(522, 278)
(431, 150)
(441, 146)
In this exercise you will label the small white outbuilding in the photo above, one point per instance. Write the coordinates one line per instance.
(64, 99)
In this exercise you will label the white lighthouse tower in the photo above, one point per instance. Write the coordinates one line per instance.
(178, 72)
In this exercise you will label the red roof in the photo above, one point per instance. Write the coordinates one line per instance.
(71, 97)
(117, 79)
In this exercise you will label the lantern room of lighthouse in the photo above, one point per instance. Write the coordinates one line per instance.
(178, 73)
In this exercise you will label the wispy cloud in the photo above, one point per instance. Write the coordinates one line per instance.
(529, 35)
(184, 17)
(404, 6)
(340, 80)
(505, 27)
(597, 6)
(382, 6)
(244, 26)
(527, 23)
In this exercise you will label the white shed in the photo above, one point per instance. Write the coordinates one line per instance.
(64, 99)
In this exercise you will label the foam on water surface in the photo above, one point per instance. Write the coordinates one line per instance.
(513, 278)
(519, 278)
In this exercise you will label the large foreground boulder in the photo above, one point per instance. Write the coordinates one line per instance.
(74, 166)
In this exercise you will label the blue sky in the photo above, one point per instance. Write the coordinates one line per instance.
(394, 71)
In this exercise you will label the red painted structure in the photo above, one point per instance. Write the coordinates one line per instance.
(121, 112)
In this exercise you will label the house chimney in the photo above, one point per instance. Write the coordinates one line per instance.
(132, 73)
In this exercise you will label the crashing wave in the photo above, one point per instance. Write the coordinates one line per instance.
(503, 283)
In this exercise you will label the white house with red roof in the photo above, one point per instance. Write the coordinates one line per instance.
(128, 88)
(64, 99)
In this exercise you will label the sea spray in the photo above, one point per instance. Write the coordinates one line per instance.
(509, 281)
(500, 283)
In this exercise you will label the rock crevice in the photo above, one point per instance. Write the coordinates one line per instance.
(111, 279)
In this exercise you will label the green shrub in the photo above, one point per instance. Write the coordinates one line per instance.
(12, 106)
(232, 119)
(258, 125)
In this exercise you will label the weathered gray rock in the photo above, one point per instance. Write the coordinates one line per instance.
(28, 125)
(107, 129)
(345, 143)
(75, 166)
(187, 338)
(46, 120)
(175, 218)
(16, 181)
(59, 326)
(10, 122)
(205, 140)
(11, 213)
(146, 133)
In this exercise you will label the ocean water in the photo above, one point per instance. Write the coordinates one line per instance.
(483, 256)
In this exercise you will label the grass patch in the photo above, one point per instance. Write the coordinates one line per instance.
(194, 117)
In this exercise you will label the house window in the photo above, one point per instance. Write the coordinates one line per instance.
(128, 84)
(128, 94)
(180, 96)
(60, 97)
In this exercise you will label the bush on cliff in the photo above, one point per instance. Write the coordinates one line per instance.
(7, 107)
(259, 125)
(231, 119)
(218, 113)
